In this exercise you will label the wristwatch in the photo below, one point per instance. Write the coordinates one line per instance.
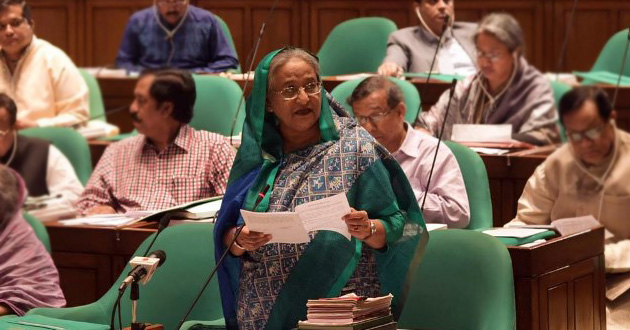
(372, 230)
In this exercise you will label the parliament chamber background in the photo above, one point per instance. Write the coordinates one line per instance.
(90, 32)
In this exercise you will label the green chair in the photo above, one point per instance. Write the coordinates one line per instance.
(610, 58)
(228, 36)
(463, 282)
(559, 89)
(189, 259)
(72, 144)
(216, 105)
(356, 45)
(39, 229)
(412, 97)
(477, 185)
(97, 108)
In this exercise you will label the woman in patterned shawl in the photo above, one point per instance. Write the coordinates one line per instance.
(301, 144)
(28, 277)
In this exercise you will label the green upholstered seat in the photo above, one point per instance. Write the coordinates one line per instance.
(356, 45)
(464, 281)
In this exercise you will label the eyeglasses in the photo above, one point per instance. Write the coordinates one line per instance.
(492, 57)
(591, 134)
(171, 2)
(292, 92)
(373, 118)
(14, 24)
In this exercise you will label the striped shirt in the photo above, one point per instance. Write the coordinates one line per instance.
(133, 175)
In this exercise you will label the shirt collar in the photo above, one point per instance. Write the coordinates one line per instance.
(411, 142)
(183, 140)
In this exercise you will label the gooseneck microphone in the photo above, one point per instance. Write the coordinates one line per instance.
(623, 65)
(437, 148)
(447, 18)
(250, 59)
(565, 42)
(261, 196)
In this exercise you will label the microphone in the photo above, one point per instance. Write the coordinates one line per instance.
(143, 268)
(623, 64)
(164, 221)
(437, 148)
(250, 58)
(261, 196)
(110, 112)
(565, 42)
(437, 49)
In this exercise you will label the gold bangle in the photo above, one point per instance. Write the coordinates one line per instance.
(372, 230)
(239, 246)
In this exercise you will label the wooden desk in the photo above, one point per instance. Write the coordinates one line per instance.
(560, 284)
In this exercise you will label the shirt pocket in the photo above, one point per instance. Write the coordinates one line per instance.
(189, 188)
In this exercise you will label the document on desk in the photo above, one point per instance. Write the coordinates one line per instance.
(293, 227)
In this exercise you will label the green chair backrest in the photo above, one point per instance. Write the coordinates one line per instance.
(477, 185)
(216, 105)
(412, 97)
(559, 89)
(39, 229)
(610, 58)
(97, 108)
(189, 259)
(72, 144)
(463, 282)
(356, 45)
(228, 36)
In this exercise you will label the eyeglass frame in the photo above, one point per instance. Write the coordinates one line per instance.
(301, 88)
(490, 56)
(15, 23)
(374, 118)
(595, 131)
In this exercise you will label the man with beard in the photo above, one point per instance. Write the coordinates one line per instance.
(169, 163)
(172, 33)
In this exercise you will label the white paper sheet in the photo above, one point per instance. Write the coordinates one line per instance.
(325, 214)
(435, 226)
(482, 133)
(284, 227)
(513, 232)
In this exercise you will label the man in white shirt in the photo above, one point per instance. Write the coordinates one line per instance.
(412, 49)
(44, 168)
(47, 87)
(379, 107)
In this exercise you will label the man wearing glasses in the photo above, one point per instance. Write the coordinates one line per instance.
(43, 81)
(589, 176)
(379, 107)
(174, 34)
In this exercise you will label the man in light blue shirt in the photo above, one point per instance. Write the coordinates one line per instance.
(173, 33)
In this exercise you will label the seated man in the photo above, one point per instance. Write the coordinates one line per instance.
(379, 107)
(170, 163)
(44, 168)
(412, 49)
(28, 277)
(48, 89)
(589, 176)
(173, 33)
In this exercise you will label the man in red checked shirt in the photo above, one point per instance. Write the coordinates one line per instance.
(169, 163)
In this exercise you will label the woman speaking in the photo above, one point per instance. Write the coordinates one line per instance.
(299, 146)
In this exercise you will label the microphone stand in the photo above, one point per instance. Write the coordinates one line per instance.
(261, 196)
(135, 296)
(437, 50)
(623, 65)
(565, 42)
(437, 148)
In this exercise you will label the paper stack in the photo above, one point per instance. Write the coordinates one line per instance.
(349, 312)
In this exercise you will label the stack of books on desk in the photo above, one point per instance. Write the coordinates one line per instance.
(349, 312)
